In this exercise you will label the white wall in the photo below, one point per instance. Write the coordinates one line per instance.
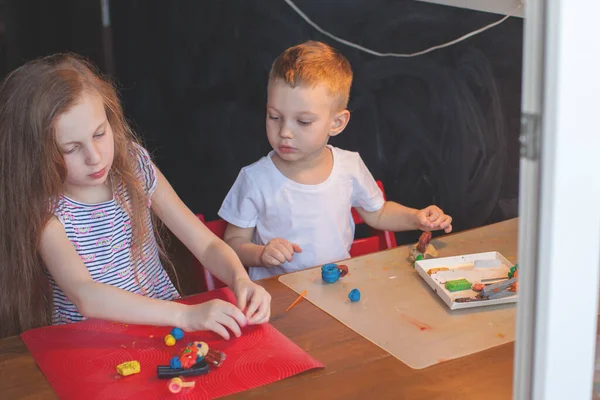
(493, 6)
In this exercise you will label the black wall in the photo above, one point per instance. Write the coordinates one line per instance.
(440, 128)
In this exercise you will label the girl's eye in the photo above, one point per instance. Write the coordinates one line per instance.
(69, 151)
(305, 122)
(99, 135)
(271, 117)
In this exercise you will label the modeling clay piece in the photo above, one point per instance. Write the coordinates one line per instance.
(498, 290)
(166, 372)
(354, 295)
(177, 384)
(423, 249)
(215, 357)
(478, 287)
(458, 284)
(128, 368)
(332, 272)
(515, 285)
(170, 340)
(435, 270)
(189, 362)
(513, 270)
(177, 333)
(300, 297)
(424, 241)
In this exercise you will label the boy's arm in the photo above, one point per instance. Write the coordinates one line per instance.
(274, 253)
(240, 240)
(396, 217)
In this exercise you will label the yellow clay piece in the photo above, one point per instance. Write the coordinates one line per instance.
(129, 368)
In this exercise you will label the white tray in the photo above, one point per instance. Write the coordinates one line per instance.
(448, 297)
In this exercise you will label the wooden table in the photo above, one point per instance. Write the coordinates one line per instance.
(355, 368)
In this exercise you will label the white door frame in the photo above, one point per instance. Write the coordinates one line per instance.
(559, 232)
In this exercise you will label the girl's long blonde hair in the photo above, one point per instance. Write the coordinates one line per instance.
(32, 173)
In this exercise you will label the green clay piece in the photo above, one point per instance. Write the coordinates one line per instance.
(417, 258)
(511, 273)
(458, 284)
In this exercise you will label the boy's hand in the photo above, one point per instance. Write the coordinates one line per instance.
(214, 315)
(278, 251)
(254, 300)
(432, 218)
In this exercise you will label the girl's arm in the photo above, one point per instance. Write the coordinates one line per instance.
(396, 217)
(212, 252)
(240, 240)
(99, 300)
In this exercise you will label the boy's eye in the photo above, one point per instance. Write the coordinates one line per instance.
(304, 122)
(274, 118)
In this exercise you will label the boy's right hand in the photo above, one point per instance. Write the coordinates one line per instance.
(214, 315)
(278, 251)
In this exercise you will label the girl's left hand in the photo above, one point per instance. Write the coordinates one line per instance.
(432, 218)
(253, 300)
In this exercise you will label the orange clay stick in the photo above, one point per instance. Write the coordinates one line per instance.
(297, 300)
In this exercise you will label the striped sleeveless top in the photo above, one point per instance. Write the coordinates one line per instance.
(101, 234)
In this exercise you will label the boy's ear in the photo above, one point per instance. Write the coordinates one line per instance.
(340, 120)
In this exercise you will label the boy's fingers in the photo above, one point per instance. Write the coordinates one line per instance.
(297, 248)
(269, 259)
(286, 250)
(276, 254)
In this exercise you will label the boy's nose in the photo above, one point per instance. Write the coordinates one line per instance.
(286, 133)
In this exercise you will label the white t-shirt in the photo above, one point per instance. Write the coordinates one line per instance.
(315, 217)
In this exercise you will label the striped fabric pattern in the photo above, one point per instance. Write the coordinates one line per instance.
(101, 234)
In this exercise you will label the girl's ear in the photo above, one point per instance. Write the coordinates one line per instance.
(339, 122)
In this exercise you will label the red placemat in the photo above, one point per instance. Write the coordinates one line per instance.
(79, 360)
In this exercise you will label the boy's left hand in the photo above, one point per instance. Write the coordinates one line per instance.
(432, 218)
(253, 300)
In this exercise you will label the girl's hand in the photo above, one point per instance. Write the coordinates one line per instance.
(278, 251)
(214, 315)
(254, 300)
(432, 218)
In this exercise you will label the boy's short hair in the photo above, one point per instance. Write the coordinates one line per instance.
(312, 63)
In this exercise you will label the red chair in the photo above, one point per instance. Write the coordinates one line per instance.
(380, 240)
(218, 228)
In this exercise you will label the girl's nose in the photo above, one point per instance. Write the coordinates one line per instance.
(93, 156)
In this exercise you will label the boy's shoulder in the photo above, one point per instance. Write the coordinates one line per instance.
(348, 160)
(345, 154)
(260, 168)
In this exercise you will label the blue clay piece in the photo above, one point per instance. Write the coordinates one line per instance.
(354, 295)
(177, 333)
(175, 363)
(330, 273)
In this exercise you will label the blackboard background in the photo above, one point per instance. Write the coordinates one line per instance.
(441, 128)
